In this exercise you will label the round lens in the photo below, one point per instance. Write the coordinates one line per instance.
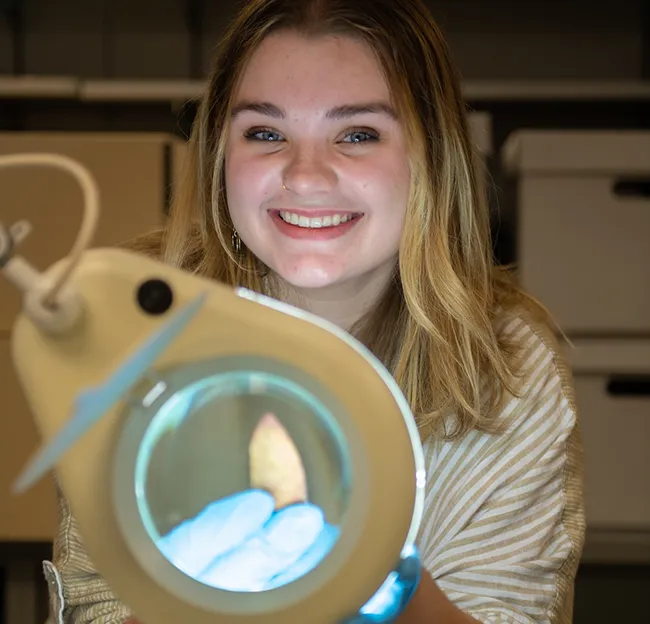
(241, 477)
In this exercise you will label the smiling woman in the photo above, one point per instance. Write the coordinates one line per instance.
(331, 167)
(317, 172)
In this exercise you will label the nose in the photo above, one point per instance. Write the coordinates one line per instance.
(309, 172)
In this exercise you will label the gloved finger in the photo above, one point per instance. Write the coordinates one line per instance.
(279, 544)
(218, 528)
(309, 560)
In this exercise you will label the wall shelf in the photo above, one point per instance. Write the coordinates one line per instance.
(179, 91)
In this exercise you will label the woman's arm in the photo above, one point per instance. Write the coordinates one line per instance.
(430, 605)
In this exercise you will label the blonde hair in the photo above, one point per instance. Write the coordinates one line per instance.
(434, 328)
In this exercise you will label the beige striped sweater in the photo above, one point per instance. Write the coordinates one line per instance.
(503, 527)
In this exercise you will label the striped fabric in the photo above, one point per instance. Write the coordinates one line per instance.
(503, 526)
(504, 523)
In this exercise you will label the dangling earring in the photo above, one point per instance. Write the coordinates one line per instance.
(236, 242)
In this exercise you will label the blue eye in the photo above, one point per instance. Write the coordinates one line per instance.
(360, 136)
(268, 136)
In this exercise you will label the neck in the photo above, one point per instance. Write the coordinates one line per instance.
(343, 304)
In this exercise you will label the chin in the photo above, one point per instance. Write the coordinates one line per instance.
(308, 282)
(309, 278)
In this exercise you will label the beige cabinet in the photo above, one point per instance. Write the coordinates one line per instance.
(135, 174)
(29, 516)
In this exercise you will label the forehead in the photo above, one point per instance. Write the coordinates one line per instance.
(291, 69)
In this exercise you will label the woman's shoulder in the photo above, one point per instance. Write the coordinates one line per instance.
(544, 380)
(533, 334)
(540, 408)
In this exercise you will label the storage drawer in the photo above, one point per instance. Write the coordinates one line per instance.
(30, 516)
(614, 408)
(583, 226)
(134, 173)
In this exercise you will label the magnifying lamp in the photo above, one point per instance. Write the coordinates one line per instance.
(228, 458)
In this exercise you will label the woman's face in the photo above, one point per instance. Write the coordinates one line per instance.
(316, 164)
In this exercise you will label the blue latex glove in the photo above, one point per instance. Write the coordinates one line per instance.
(240, 543)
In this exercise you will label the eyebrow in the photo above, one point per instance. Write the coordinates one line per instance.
(339, 112)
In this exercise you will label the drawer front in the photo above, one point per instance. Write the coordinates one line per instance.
(585, 252)
(32, 515)
(615, 421)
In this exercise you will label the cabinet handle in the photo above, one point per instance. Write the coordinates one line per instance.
(632, 187)
(629, 385)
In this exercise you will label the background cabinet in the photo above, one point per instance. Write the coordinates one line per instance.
(583, 235)
(135, 175)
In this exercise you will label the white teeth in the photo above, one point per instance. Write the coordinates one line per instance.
(316, 222)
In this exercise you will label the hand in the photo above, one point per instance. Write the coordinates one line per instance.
(240, 543)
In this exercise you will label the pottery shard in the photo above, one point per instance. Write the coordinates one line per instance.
(275, 464)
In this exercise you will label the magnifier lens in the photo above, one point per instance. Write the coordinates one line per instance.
(242, 479)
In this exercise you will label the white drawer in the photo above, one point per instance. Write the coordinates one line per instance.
(583, 226)
(614, 409)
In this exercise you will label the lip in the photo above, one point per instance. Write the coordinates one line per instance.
(314, 234)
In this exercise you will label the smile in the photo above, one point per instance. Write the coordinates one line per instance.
(326, 221)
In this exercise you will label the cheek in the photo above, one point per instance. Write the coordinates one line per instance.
(383, 185)
(398, 182)
(247, 182)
